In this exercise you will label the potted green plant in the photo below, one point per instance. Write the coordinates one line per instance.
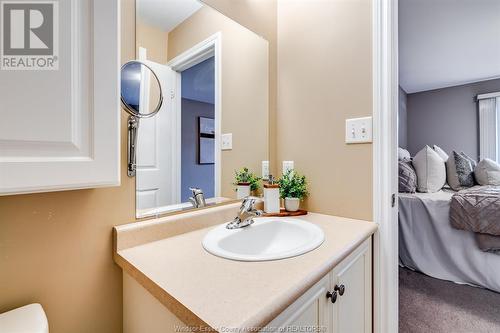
(246, 182)
(293, 188)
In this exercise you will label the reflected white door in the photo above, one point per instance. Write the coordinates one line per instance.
(157, 182)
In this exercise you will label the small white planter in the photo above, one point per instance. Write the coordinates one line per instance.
(242, 191)
(292, 204)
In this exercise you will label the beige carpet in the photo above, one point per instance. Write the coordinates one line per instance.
(433, 306)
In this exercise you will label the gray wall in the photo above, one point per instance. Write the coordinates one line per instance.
(198, 94)
(194, 174)
(447, 117)
(403, 119)
(198, 82)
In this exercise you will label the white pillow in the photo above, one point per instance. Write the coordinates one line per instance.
(403, 154)
(430, 169)
(487, 172)
(441, 153)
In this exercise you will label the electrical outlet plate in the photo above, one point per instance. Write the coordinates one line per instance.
(227, 141)
(287, 165)
(265, 170)
(358, 130)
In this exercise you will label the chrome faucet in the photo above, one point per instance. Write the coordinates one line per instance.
(246, 214)
(198, 198)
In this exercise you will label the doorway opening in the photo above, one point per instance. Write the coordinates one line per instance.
(198, 129)
(178, 148)
(440, 261)
(446, 87)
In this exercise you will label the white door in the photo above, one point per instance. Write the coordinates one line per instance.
(352, 312)
(157, 181)
(60, 126)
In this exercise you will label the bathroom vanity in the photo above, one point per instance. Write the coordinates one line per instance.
(171, 283)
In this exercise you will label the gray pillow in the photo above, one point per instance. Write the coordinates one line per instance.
(430, 169)
(460, 173)
(407, 177)
(487, 172)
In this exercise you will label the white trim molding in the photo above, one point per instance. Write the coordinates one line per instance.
(489, 95)
(385, 131)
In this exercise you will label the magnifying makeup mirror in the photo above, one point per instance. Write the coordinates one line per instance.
(142, 97)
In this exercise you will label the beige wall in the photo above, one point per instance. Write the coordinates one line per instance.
(244, 87)
(153, 39)
(324, 77)
(261, 17)
(56, 248)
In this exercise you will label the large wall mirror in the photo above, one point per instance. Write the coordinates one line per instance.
(214, 79)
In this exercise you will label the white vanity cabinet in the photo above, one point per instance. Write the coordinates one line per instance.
(60, 126)
(311, 310)
(323, 309)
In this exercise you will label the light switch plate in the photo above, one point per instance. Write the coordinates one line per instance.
(265, 170)
(287, 165)
(227, 141)
(358, 130)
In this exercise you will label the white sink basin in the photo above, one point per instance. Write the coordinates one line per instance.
(269, 238)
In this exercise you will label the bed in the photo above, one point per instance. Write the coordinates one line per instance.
(429, 244)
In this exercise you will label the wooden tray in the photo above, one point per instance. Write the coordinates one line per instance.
(284, 213)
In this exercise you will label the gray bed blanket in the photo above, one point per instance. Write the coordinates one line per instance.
(429, 244)
(477, 209)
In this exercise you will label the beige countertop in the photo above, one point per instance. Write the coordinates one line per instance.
(202, 289)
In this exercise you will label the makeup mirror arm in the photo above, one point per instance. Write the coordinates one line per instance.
(133, 127)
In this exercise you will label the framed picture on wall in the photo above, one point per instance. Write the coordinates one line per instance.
(206, 140)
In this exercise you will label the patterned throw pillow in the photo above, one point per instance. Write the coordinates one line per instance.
(460, 172)
(407, 177)
(471, 160)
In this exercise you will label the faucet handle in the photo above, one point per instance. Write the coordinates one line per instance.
(248, 204)
(195, 190)
(198, 198)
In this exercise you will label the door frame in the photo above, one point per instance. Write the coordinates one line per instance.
(210, 47)
(385, 132)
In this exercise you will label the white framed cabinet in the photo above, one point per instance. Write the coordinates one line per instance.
(59, 96)
(341, 302)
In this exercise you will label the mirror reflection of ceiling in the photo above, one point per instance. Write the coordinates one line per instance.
(166, 14)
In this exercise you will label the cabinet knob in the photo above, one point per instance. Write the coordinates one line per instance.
(332, 296)
(340, 289)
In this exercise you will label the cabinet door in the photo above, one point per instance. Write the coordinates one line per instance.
(307, 314)
(60, 123)
(352, 313)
